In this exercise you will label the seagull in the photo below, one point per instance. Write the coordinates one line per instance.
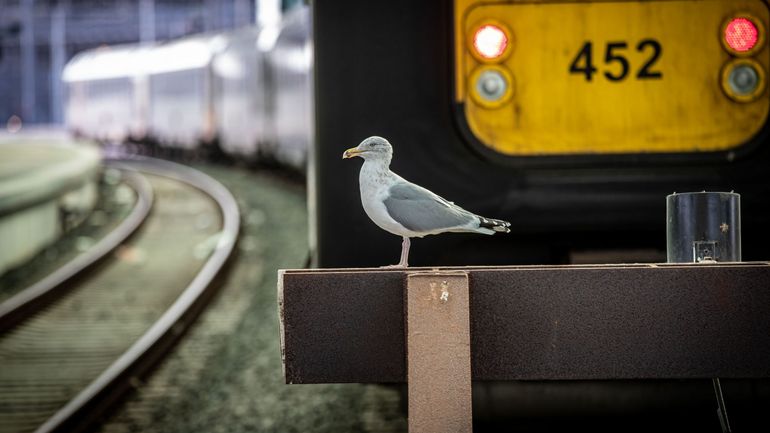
(405, 209)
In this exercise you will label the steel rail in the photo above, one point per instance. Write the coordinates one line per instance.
(86, 407)
(25, 303)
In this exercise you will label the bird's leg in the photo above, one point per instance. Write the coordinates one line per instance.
(404, 253)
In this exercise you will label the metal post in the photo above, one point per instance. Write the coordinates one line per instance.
(705, 227)
(147, 21)
(242, 15)
(438, 352)
(28, 53)
(58, 52)
(211, 15)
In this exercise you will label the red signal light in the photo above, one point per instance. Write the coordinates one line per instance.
(741, 34)
(490, 41)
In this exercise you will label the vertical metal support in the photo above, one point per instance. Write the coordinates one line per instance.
(705, 227)
(438, 352)
(28, 60)
(210, 15)
(242, 15)
(724, 421)
(147, 21)
(58, 53)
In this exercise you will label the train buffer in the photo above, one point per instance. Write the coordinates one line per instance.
(439, 328)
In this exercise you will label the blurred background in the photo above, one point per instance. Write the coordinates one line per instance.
(37, 38)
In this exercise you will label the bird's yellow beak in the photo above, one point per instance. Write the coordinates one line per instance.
(353, 151)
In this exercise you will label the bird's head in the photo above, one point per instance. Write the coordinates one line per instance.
(372, 148)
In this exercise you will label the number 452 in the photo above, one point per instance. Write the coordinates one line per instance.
(583, 62)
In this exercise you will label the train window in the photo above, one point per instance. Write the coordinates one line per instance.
(625, 77)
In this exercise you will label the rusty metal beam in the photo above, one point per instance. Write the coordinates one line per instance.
(539, 322)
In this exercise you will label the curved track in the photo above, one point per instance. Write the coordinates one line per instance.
(106, 384)
(31, 299)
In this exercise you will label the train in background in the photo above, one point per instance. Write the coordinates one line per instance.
(573, 120)
(246, 93)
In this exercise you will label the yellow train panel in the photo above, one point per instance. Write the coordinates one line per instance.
(612, 77)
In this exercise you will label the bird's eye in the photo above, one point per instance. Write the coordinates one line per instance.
(374, 144)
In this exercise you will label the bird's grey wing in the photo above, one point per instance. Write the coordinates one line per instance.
(420, 210)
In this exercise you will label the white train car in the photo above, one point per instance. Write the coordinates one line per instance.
(290, 65)
(240, 104)
(248, 92)
(180, 86)
(105, 94)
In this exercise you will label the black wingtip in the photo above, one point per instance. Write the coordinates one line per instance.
(499, 226)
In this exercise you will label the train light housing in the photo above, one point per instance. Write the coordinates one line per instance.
(492, 86)
(490, 42)
(743, 80)
(743, 35)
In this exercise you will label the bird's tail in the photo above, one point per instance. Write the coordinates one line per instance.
(495, 225)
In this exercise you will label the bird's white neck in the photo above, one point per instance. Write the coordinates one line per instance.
(375, 167)
(374, 173)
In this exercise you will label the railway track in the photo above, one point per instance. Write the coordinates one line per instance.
(66, 360)
(28, 300)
